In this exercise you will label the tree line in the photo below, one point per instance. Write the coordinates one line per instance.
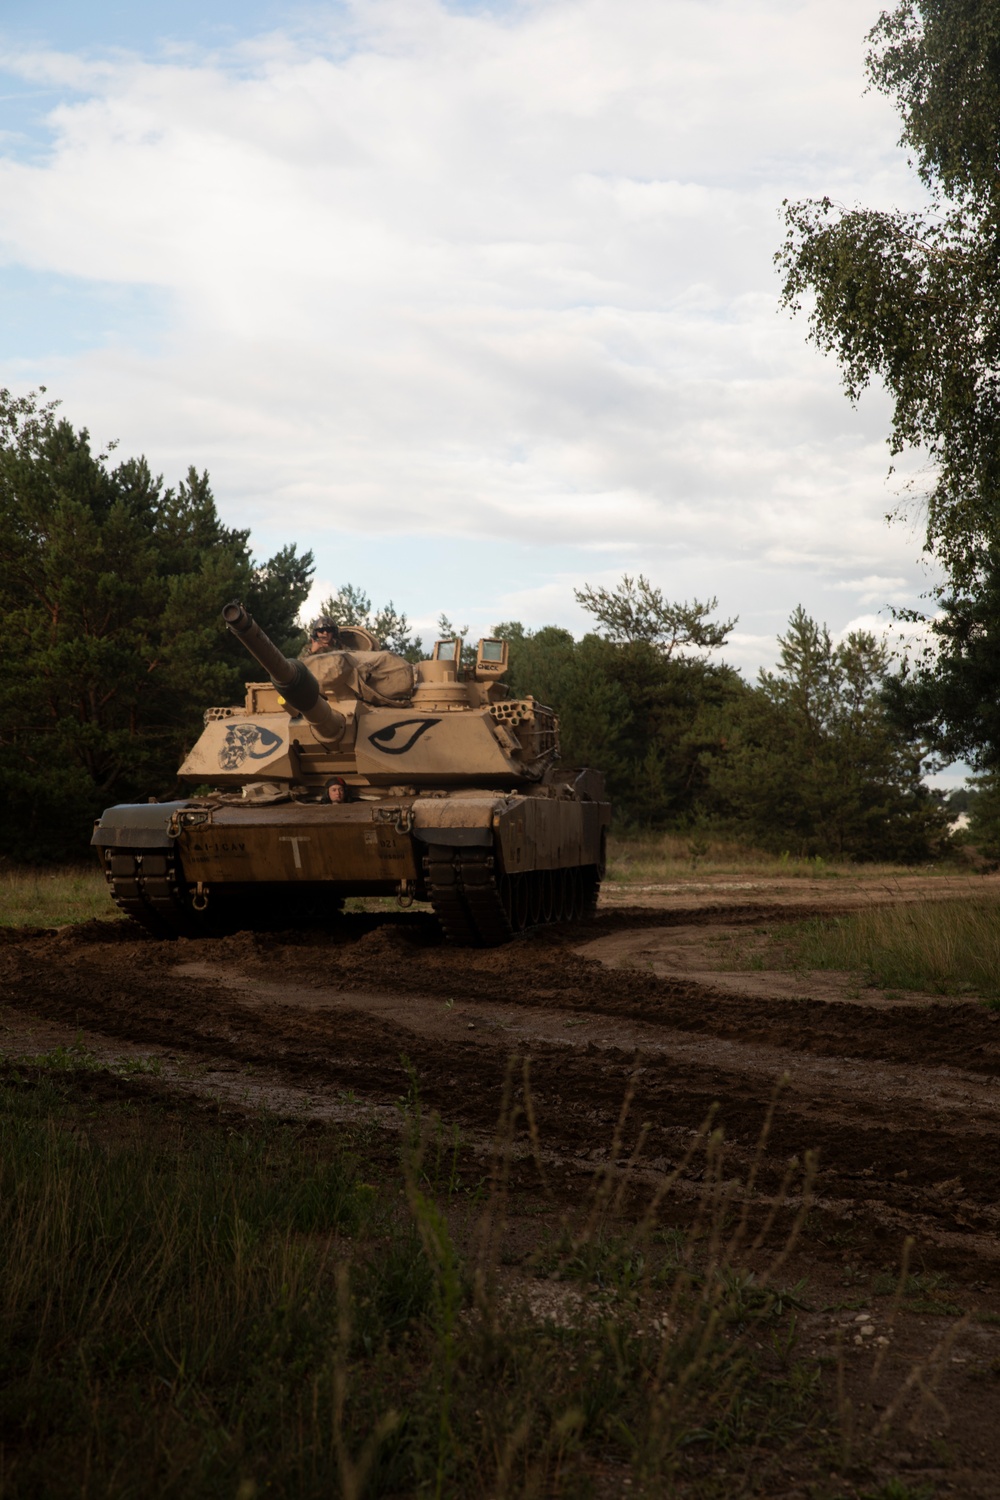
(110, 588)
(807, 759)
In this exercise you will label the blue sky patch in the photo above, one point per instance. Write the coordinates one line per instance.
(68, 26)
(44, 314)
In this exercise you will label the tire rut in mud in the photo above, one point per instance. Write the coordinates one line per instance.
(898, 1164)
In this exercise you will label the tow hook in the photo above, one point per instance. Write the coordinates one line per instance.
(399, 818)
(191, 817)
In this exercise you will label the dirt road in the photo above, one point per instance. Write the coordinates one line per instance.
(898, 1098)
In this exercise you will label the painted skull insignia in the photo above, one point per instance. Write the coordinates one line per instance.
(243, 740)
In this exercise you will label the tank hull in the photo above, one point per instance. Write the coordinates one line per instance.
(490, 864)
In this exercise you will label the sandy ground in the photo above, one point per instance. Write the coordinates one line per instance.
(898, 1097)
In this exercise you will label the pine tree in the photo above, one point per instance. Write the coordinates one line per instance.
(111, 588)
(815, 766)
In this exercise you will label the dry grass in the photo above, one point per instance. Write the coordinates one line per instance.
(230, 1310)
(51, 897)
(207, 1309)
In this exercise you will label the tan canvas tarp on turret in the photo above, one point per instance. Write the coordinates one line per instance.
(380, 678)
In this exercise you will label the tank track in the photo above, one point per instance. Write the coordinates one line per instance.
(477, 905)
(147, 885)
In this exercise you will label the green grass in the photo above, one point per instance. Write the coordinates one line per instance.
(939, 947)
(245, 1307)
(52, 897)
(657, 857)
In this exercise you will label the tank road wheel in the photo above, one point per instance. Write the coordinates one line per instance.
(574, 894)
(534, 880)
(558, 894)
(563, 903)
(590, 881)
(514, 899)
(520, 906)
(532, 903)
(547, 879)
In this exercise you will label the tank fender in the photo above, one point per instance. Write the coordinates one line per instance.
(455, 838)
(539, 833)
(458, 823)
(135, 825)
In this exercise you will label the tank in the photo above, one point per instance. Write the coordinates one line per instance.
(353, 772)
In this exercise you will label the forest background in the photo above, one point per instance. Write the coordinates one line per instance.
(110, 592)
(111, 584)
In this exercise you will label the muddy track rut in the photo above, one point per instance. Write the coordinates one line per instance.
(901, 1105)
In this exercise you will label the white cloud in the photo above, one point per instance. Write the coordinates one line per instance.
(876, 589)
(501, 276)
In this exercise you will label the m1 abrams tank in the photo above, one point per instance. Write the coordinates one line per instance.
(362, 775)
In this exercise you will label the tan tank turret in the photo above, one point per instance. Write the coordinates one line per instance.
(360, 775)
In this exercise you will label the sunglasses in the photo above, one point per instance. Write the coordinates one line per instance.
(317, 633)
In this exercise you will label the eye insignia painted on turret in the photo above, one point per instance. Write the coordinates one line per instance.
(244, 740)
(386, 739)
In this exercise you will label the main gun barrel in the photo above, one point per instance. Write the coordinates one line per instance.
(293, 679)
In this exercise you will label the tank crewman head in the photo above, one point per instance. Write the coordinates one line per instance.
(336, 790)
(324, 635)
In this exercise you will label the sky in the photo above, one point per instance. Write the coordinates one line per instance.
(477, 301)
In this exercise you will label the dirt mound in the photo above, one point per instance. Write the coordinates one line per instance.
(17, 937)
(239, 947)
(96, 930)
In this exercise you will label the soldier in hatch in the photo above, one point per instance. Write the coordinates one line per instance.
(324, 635)
(348, 662)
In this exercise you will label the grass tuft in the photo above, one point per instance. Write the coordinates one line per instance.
(207, 1308)
(939, 947)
